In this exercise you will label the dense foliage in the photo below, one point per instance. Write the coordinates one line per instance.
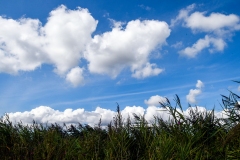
(199, 136)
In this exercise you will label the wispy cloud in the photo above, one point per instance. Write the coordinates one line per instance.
(177, 45)
(119, 95)
(144, 7)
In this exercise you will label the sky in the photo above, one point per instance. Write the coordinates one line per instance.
(75, 61)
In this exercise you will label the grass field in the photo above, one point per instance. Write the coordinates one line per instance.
(199, 136)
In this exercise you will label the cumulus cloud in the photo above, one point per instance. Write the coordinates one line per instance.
(48, 115)
(128, 111)
(199, 21)
(214, 44)
(75, 76)
(193, 93)
(44, 114)
(154, 100)
(25, 44)
(20, 45)
(147, 71)
(67, 32)
(218, 28)
(66, 39)
(127, 47)
(215, 21)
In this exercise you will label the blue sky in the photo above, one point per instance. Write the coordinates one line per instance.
(80, 58)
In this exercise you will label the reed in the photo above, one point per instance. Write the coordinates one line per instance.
(199, 136)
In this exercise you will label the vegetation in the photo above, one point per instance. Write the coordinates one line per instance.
(199, 136)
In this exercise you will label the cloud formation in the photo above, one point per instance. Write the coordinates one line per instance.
(154, 100)
(66, 39)
(193, 93)
(48, 115)
(214, 44)
(75, 76)
(25, 44)
(127, 47)
(218, 28)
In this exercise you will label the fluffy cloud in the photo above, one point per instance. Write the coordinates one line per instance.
(66, 34)
(20, 45)
(131, 46)
(198, 21)
(75, 76)
(47, 115)
(214, 44)
(128, 111)
(191, 97)
(44, 114)
(213, 22)
(25, 44)
(218, 28)
(147, 71)
(154, 100)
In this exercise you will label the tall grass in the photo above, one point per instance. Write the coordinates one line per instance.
(199, 136)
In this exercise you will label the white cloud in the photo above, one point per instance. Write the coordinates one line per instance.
(199, 84)
(153, 111)
(147, 71)
(44, 114)
(154, 100)
(75, 76)
(200, 22)
(67, 33)
(20, 45)
(216, 21)
(116, 24)
(183, 13)
(25, 44)
(128, 111)
(218, 28)
(127, 47)
(177, 45)
(214, 44)
(191, 97)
